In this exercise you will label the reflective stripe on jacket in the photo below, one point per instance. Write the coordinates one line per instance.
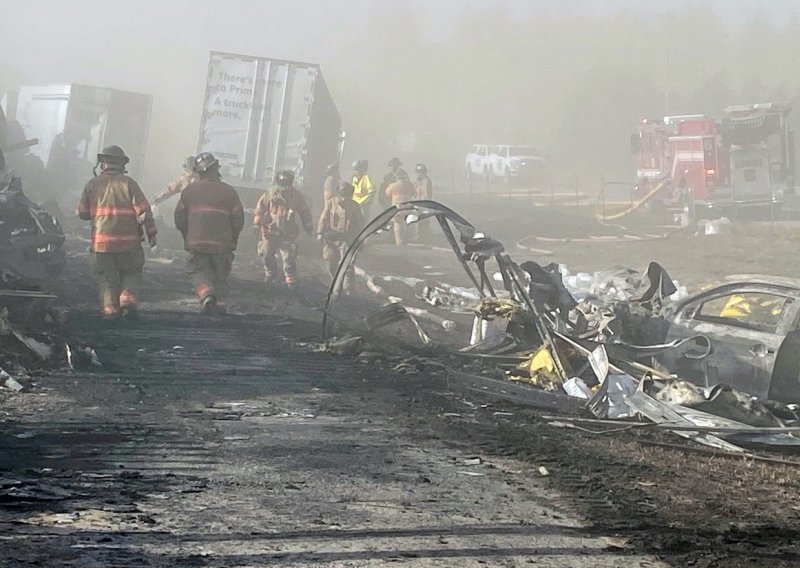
(114, 203)
(210, 216)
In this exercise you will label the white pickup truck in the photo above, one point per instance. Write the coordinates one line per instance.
(507, 163)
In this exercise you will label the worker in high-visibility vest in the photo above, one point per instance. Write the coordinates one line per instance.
(363, 188)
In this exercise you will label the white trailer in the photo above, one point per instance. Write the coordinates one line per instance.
(74, 122)
(263, 115)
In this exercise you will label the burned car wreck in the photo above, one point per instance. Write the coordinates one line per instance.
(751, 323)
(625, 342)
(31, 239)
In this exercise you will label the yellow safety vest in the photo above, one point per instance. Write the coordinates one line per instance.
(363, 190)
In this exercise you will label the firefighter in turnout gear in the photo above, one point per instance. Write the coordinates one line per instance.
(339, 224)
(394, 165)
(400, 191)
(180, 183)
(332, 181)
(210, 217)
(121, 218)
(279, 214)
(363, 188)
(423, 190)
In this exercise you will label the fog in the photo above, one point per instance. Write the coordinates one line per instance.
(425, 80)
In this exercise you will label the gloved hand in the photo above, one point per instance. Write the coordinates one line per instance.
(319, 237)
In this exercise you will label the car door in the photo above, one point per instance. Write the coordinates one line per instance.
(745, 328)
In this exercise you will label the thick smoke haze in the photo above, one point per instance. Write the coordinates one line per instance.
(424, 80)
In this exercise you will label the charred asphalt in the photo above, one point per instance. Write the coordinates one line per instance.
(232, 441)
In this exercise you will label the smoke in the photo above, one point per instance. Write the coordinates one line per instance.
(425, 80)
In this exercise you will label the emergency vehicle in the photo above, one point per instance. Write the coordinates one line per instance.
(746, 158)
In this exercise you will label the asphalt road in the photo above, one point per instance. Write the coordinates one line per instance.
(231, 442)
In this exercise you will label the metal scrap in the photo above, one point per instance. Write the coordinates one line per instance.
(594, 336)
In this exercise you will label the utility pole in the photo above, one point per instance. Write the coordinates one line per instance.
(666, 72)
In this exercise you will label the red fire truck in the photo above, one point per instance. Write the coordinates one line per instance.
(680, 153)
(746, 158)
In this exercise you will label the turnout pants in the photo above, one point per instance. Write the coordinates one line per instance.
(333, 252)
(269, 249)
(400, 230)
(119, 276)
(209, 274)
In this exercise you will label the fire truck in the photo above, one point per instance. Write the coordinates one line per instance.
(760, 145)
(746, 158)
(680, 153)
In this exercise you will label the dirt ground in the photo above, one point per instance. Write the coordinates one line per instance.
(232, 441)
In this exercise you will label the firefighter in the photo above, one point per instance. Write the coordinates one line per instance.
(339, 224)
(400, 191)
(277, 213)
(390, 177)
(210, 217)
(121, 217)
(423, 190)
(180, 183)
(363, 188)
(332, 180)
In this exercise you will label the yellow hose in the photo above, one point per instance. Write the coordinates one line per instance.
(603, 217)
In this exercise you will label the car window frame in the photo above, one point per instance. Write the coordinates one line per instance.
(691, 312)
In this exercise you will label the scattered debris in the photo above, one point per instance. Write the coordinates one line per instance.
(82, 358)
(10, 382)
(575, 387)
(31, 240)
(611, 339)
(41, 350)
(346, 346)
(472, 473)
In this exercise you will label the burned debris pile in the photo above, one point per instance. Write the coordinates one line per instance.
(31, 256)
(600, 339)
